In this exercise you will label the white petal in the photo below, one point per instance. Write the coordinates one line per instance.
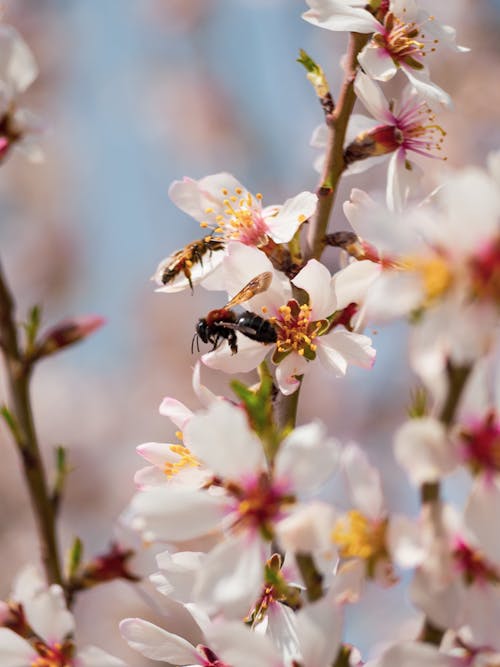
(422, 448)
(291, 215)
(232, 576)
(412, 654)
(394, 294)
(481, 514)
(443, 605)
(91, 656)
(319, 630)
(238, 646)
(340, 16)
(222, 438)
(203, 393)
(351, 283)
(377, 63)
(157, 453)
(404, 541)
(15, 651)
(178, 573)
(174, 513)
(341, 347)
(426, 88)
(287, 372)
(471, 192)
(316, 280)
(149, 476)
(158, 644)
(307, 457)
(308, 529)
(18, 68)
(319, 138)
(250, 354)
(175, 411)
(365, 488)
(27, 584)
(399, 180)
(48, 616)
(372, 97)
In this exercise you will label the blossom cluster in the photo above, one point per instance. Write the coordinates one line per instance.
(257, 560)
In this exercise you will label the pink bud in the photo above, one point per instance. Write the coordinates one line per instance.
(66, 333)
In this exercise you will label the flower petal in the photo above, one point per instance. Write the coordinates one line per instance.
(158, 644)
(316, 280)
(14, 650)
(365, 487)
(341, 16)
(307, 457)
(295, 211)
(92, 656)
(222, 438)
(287, 372)
(377, 63)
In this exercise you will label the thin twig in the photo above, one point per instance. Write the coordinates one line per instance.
(18, 380)
(334, 161)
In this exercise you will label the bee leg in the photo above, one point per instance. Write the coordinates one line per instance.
(232, 340)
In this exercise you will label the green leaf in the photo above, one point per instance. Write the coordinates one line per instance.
(11, 422)
(315, 74)
(32, 325)
(75, 556)
(418, 407)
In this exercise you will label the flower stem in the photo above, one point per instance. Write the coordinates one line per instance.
(18, 372)
(430, 491)
(334, 161)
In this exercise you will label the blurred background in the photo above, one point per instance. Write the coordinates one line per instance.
(135, 94)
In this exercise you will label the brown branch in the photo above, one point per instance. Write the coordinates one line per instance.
(18, 379)
(334, 161)
(430, 493)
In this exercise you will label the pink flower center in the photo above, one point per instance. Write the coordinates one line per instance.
(241, 218)
(210, 658)
(485, 272)
(403, 41)
(472, 566)
(481, 445)
(259, 503)
(58, 655)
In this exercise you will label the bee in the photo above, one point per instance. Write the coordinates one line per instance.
(182, 261)
(223, 323)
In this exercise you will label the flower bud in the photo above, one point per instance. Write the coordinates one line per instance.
(67, 333)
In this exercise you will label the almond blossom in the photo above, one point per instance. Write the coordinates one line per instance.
(403, 35)
(315, 329)
(37, 629)
(438, 266)
(313, 640)
(242, 505)
(406, 126)
(229, 212)
(18, 70)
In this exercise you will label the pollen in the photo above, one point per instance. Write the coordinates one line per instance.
(360, 537)
(435, 272)
(296, 331)
(186, 460)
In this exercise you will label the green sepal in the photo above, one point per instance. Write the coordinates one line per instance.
(278, 356)
(258, 403)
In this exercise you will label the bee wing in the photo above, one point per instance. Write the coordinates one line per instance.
(257, 285)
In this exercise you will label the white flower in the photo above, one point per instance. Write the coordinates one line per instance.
(406, 126)
(304, 332)
(403, 36)
(244, 504)
(41, 629)
(222, 205)
(439, 262)
(18, 70)
(311, 638)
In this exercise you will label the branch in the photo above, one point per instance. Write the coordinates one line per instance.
(430, 492)
(18, 379)
(334, 162)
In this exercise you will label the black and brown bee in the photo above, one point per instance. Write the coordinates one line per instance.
(223, 323)
(183, 260)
